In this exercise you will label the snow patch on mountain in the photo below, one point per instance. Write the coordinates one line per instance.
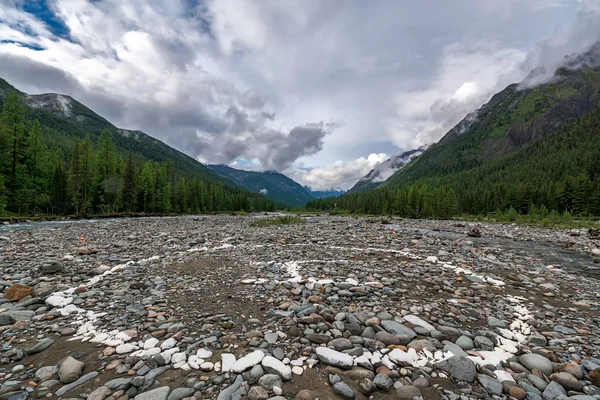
(58, 103)
(384, 170)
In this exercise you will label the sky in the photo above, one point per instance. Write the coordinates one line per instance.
(321, 90)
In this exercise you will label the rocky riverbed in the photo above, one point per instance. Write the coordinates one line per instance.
(209, 307)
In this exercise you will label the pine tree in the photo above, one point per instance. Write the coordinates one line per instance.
(37, 153)
(76, 179)
(147, 185)
(3, 196)
(59, 184)
(86, 162)
(129, 184)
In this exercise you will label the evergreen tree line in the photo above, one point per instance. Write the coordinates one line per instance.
(40, 172)
(557, 174)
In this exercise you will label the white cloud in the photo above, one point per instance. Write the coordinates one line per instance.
(339, 175)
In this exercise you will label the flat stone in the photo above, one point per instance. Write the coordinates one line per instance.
(248, 361)
(398, 328)
(407, 392)
(227, 361)
(227, 393)
(334, 358)
(536, 361)
(343, 390)
(274, 366)
(491, 385)
(459, 367)
(568, 381)
(160, 393)
(180, 393)
(40, 346)
(78, 382)
(553, 390)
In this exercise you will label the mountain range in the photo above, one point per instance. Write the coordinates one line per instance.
(273, 185)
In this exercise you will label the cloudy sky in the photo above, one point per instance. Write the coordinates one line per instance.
(322, 90)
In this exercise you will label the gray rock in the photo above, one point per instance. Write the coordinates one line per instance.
(398, 328)
(180, 393)
(536, 361)
(340, 344)
(366, 386)
(160, 393)
(387, 338)
(454, 349)
(491, 385)
(6, 319)
(119, 383)
(383, 382)
(40, 346)
(344, 391)
(465, 343)
(408, 392)
(70, 370)
(78, 382)
(553, 390)
(269, 381)
(496, 323)
(46, 372)
(257, 393)
(459, 367)
(227, 393)
(484, 343)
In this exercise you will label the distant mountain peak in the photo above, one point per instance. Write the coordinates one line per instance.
(387, 168)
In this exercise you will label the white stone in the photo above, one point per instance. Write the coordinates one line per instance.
(503, 376)
(334, 358)
(150, 343)
(248, 361)
(123, 336)
(204, 353)
(178, 357)
(297, 370)
(207, 366)
(169, 343)
(179, 364)
(274, 366)
(401, 357)
(227, 361)
(126, 348)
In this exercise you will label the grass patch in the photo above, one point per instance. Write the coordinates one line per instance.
(283, 220)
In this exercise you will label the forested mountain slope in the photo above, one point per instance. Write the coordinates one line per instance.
(528, 149)
(271, 184)
(59, 157)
